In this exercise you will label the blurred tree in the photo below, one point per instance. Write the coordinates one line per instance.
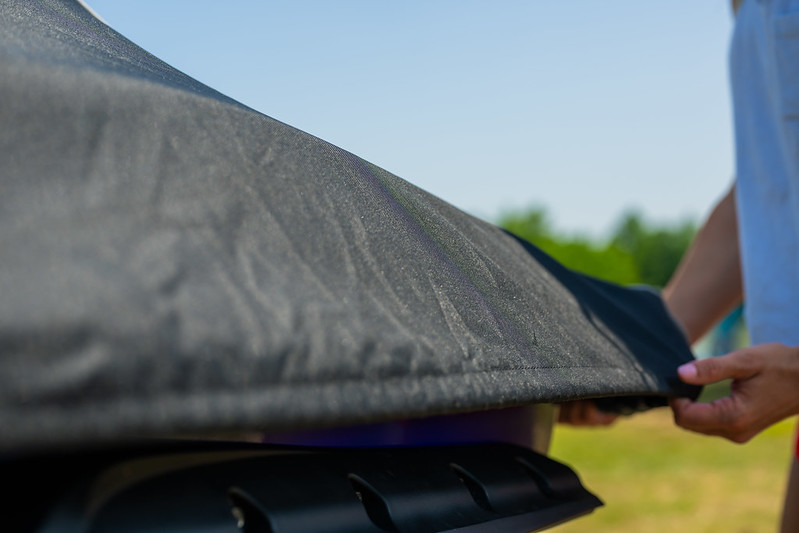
(531, 225)
(657, 249)
(606, 261)
(635, 253)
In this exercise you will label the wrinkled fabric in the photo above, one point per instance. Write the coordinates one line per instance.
(175, 262)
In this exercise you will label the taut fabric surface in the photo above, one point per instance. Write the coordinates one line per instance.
(175, 262)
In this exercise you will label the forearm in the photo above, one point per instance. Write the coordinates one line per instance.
(707, 283)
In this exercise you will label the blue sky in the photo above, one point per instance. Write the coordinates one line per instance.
(588, 108)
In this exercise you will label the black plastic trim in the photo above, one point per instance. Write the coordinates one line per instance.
(216, 487)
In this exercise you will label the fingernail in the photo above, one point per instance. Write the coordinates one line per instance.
(687, 371)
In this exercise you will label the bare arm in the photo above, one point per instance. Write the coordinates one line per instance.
(707, 284)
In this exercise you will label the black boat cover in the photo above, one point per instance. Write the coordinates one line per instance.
(173, 261)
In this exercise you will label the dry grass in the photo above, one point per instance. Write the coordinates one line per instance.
(655, 478)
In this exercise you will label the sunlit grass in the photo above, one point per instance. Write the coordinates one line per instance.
(654, 477)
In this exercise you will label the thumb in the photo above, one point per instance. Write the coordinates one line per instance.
(735, 365)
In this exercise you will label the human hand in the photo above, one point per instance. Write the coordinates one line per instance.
(584, 413)
(765, 390)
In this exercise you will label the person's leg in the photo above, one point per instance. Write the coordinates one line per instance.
(790, 510)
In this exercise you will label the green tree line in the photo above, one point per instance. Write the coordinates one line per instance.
(637, 251)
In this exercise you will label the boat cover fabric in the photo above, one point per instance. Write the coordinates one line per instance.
(173, 261)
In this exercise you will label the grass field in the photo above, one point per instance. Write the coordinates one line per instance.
(656, 478)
